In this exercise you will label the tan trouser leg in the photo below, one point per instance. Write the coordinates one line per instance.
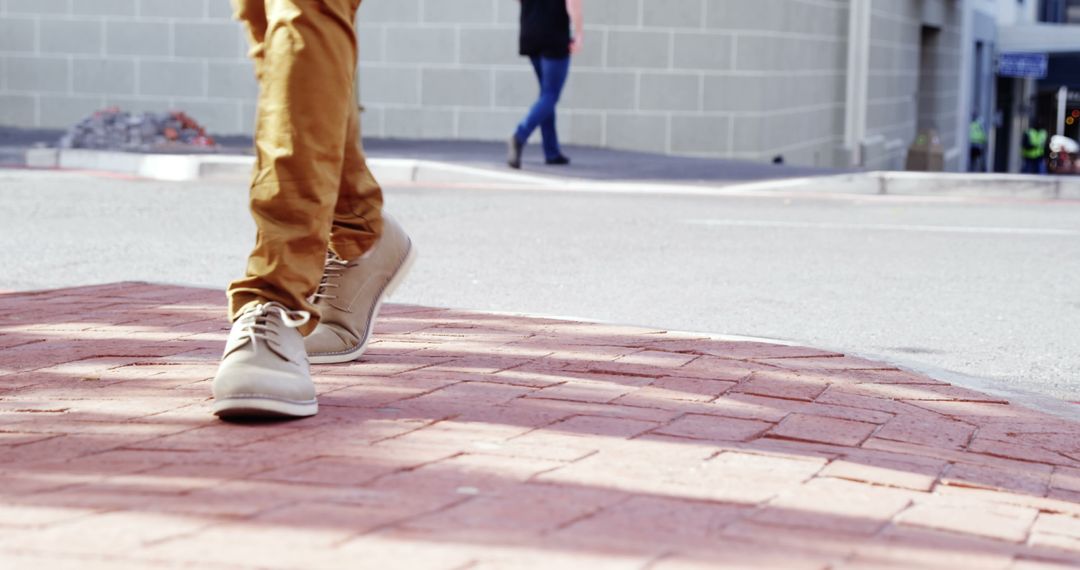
(310, 176)
(358, 212)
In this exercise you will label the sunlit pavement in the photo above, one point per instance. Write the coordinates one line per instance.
(473, 440)
(982, 293)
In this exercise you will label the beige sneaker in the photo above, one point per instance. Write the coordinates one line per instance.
(265, 372)
(352, 292)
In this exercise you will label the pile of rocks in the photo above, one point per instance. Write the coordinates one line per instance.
(114, 129)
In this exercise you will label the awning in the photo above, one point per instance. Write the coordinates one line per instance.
(1044, 38)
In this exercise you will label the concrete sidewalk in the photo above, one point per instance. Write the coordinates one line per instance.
(589, 163)
(479, 165)
(596, 164)
(480, 441)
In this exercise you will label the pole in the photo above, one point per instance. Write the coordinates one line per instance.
(1062, 101)
(858, 79)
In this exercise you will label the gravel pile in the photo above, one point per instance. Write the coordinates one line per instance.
(114, 129)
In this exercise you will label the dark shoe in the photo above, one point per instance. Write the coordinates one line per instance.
(513, 152)
(558, 161)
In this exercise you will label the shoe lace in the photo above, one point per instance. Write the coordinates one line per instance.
(256, 326)
(332, 272)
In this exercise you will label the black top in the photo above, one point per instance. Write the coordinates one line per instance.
(545, 28)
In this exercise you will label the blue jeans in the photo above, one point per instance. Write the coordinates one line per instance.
(1034, 166)
(551, 73)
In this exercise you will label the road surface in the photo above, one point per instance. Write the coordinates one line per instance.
(986, 288)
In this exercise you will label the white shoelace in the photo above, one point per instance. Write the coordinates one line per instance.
(253, 323)
(335, 267)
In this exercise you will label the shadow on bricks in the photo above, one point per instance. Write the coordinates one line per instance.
(471, 440)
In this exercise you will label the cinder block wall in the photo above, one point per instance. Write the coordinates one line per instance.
(721, 78)
(912, 88)
(62, 59)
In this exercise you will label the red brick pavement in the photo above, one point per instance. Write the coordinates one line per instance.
(479, 441)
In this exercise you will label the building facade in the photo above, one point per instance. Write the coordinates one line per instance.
(820, 82)
(1033, 30)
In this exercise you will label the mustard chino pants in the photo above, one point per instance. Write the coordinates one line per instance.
(311, 188)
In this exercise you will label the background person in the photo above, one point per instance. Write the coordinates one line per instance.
(1034, 148)
(977, 139)
(547, 41)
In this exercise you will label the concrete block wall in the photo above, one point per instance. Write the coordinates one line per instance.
(62, 59)
(943, 110)
(720, 78)
(911, 87)
(746, 79)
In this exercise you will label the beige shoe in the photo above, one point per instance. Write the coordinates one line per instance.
(265, 372)
(352, 292)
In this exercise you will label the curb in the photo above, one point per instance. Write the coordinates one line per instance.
(985, 185)
(179, 167)
(189, 167)
(1015, 395)
(398, 170)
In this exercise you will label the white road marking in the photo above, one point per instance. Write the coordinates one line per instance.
(988, 230)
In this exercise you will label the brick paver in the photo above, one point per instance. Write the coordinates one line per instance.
(479, 441)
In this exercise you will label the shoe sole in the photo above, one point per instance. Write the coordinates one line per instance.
(391, 286)
(263, 408)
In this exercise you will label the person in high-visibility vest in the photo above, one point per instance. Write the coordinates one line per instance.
(977, 140)
(1034, 149)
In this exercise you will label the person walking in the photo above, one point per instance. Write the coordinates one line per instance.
(1034, 148)
(547, 41)
(977, 140)
(325, 255)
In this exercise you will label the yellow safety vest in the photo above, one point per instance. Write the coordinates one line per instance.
(977, 134)
(1037, 137)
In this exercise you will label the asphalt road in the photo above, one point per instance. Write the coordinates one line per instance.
(989, 289)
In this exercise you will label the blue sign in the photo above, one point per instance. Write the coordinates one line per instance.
(1027, 65)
